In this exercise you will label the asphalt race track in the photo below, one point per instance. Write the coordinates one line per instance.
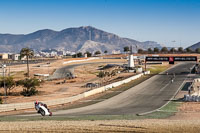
(147, 96)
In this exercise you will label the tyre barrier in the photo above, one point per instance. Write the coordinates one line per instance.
(191, 98)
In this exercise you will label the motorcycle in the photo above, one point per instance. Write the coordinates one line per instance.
(42, 109)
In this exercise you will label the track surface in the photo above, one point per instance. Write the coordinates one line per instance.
(147, 96)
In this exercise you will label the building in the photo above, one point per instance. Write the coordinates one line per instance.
(4, 56)
(15, 56)
(116, 52)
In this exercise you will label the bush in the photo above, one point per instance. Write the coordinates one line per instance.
(29, 92)
(29, 86)
(101, 74)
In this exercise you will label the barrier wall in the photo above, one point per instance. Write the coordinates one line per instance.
(72, 61)
(28, 105)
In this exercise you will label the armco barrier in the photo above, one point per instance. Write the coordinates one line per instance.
(28, 105)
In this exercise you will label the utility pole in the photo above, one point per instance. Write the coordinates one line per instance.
(48, 63)
(4, 84)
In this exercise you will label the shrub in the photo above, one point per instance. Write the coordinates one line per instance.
(101, 74)
(29, 86)
(29, 92)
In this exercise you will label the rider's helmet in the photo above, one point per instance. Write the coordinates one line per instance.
(36, 102)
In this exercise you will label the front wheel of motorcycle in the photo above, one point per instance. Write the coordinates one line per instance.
(42, 112)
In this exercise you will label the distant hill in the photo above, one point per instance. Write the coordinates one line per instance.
(194, 46)
(72, 39)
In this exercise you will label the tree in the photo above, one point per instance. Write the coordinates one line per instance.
(105, 52)
(197, 50)
(173, 50)
(150, 50)
(29, 86)
(180, 50)
(156, 50)
(188, 50)
(97, 53)
(88, 54)
(126, 49)
(9, 83)
(79, 54)
(140, 51)
(28, 53)
(74, 56)
(164, 50)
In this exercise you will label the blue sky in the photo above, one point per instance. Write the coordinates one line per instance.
(157, 20)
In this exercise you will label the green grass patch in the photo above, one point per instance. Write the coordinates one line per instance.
(157, 69)
(169, 110)
(171, 106)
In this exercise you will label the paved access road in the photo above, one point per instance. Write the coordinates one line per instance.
(67, 71)
(147, 96)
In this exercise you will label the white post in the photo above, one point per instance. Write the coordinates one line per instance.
(131, 61)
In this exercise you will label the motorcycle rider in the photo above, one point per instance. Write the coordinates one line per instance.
(38, 104)
(42, 108)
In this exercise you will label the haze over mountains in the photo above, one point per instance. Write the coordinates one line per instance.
(72, 39)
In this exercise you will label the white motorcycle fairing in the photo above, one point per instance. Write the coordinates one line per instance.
(46, 111)
(43, 110)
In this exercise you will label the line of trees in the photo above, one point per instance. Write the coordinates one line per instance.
(28, 84)
(164, 50)
(89, 54)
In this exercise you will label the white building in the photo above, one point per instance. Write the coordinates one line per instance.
(15, 56)
(4, 56)
(116, 52)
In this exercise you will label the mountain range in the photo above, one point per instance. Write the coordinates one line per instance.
(85, 38)
(194, 46)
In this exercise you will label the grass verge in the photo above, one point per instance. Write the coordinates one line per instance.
(169, 110)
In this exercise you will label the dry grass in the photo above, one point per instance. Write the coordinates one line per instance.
(155, 126)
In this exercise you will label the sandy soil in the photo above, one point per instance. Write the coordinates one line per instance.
(56, 89)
